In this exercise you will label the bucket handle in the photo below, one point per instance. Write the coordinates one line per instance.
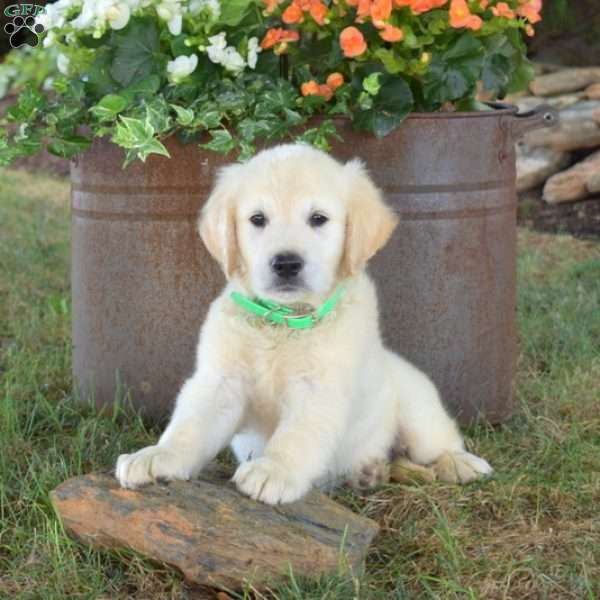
(541, 116)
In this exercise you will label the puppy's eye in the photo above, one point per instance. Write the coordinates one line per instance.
(317, 219)
(258, 219)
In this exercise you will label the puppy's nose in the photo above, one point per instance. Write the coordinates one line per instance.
(287, 264)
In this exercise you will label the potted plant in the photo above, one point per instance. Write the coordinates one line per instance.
(203, 81)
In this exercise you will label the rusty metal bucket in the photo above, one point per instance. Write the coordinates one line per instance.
(142, 280)
(446, 280)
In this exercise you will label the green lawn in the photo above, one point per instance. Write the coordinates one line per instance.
(533, 531)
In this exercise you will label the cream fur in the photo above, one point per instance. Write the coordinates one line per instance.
(309, 407)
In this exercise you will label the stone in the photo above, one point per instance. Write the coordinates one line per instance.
(535, 165)
(593, 91)
(567, 80)
(596, 116)
(592, 183)
(570, 185)
(571, 135)
(210, 532)
(579, 111)
(526, 103)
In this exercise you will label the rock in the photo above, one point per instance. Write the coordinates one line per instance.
(567, 80)
(581, 218)
(580, 111)
(596, 116)
(526, 103)
(571, 184)
(592, 183)
(572, 135)
(593, 91)
(210, 532)
(535, 165)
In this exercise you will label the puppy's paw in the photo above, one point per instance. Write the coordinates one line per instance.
(148, 465)
(267, 480)
(371, 474)
(460, 467)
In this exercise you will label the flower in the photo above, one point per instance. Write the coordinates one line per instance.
(115, 13)
(381, 10)
(318, 11)
(461, 16)
(271, 5)
(335, 80)
(292, 14)
(181, 67)
(352, 42)
(530, 9)
(228, 56)
(391, 33)
(62, 64)
(278, 36)
(171, 12)
(503, 10)
(253, 50)
(326, 92)
(529, 31)
(310, 88)
(215, 51)
(213, 7)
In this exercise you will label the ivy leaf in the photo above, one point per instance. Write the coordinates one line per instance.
(157, 114)
(185, 116)
(135, 51)
(221, 142)
(109, 107)
(137, 137)
(67, 147)
(453, 74)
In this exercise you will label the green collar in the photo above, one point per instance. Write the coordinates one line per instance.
(285, 315)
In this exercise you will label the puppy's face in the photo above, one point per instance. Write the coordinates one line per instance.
(292, 221)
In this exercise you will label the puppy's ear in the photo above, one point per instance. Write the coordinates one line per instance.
(369, 222)
(217, 224)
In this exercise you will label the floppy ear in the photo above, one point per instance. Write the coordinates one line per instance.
(369, 222)
(217, 225)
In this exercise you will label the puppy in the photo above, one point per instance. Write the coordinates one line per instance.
(305, 394)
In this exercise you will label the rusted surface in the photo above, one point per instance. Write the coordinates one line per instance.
(211, 532)
(142, 280)
(446, 280)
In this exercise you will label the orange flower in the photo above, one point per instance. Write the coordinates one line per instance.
(318, 11)
(529, 31)
(326, 92)
(310, 88)
(484, 3)
(530, 9)
(503, 10)
(292, 14)
(381, 10)
(461, 16)
(352, 42)
(391, 33)
(271, 5)
(335, 80)
(278, 36)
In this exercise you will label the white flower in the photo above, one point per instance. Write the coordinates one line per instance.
(54, 14)
(216, 50)
(114, 12)
(181, 67)
(171, 12)
(253, 50)
(49, 40)
(211, 6)
(233, 60)
(62, 64)
(87, 15)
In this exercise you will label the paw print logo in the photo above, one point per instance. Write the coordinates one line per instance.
(23, 31)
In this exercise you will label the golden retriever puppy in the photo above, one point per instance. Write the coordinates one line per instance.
(291, 370)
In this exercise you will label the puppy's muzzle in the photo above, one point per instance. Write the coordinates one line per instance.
(287, 265)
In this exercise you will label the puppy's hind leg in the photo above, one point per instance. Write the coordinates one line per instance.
(426, 433)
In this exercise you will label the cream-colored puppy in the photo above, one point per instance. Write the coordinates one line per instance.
(299, 407)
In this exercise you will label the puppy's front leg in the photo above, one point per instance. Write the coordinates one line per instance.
(301, 447)
(207, 413)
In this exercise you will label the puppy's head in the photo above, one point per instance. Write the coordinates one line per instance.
(292, 221)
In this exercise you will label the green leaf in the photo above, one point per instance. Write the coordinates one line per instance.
(137, 137)
(158, 114)
(233, 11)
(68, 147)
(371, 84)
(185, 116)
(136, 49)
(145, 88)
(221, 142)
(453, 74)
(109, 107)
(390, 60)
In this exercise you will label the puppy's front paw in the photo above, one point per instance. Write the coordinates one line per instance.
(371, 474)
(267, 480)
(148, 465)
(460, 467)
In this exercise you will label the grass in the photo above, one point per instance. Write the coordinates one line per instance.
(533, 531)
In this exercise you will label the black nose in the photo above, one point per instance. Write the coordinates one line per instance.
(287, 264)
